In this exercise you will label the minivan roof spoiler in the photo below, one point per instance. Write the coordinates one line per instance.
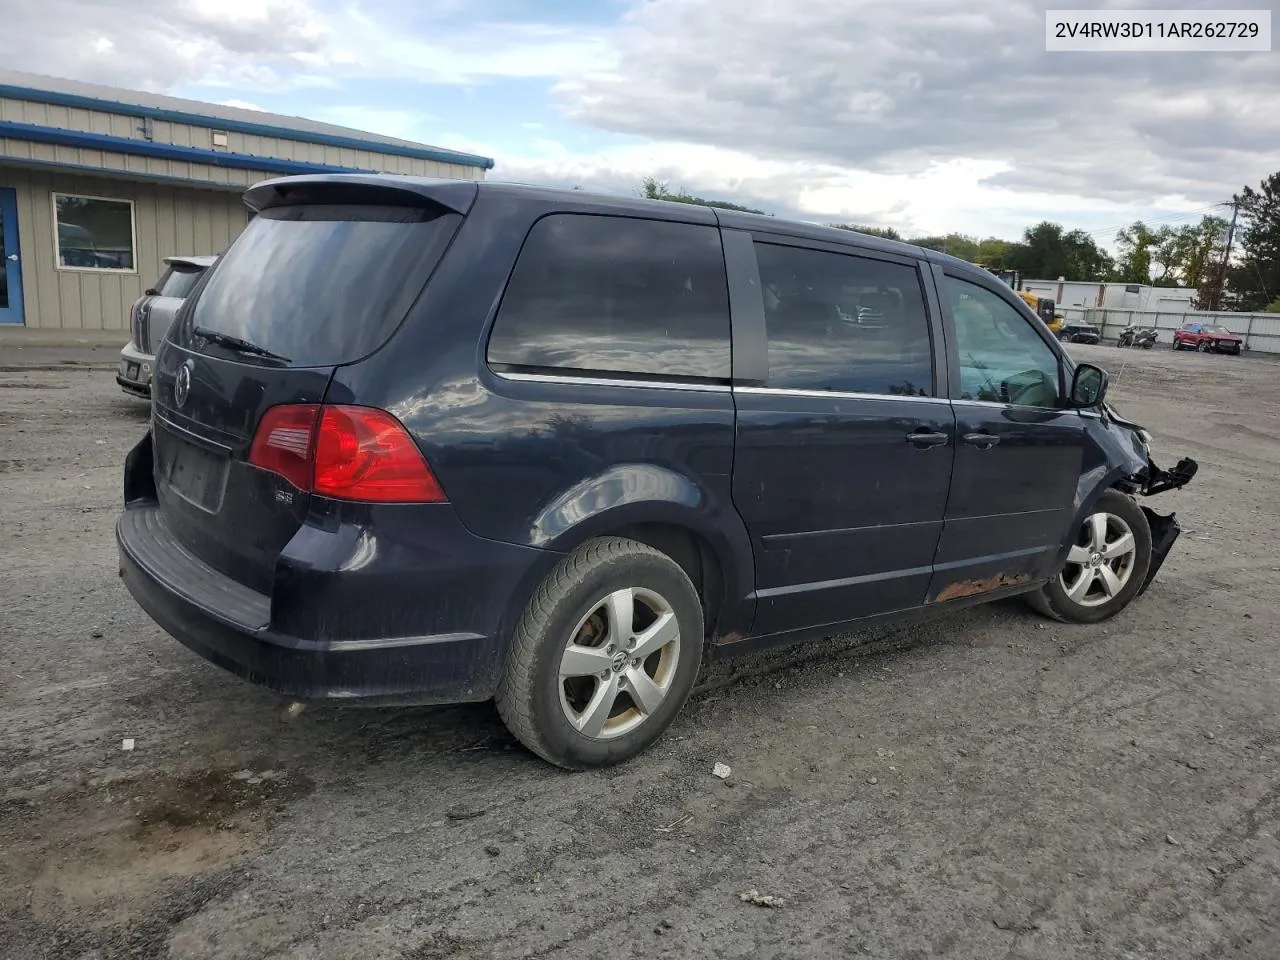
(454, 195)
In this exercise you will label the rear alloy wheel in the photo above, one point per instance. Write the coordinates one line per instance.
(1106, 564)
(604, 657)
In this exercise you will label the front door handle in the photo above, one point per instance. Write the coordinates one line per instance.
(924, 439)
(13, 257)
(983, 441)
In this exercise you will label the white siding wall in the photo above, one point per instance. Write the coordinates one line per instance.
(201, 216)
(168, 220)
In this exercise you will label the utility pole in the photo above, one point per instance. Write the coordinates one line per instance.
(1216, 304)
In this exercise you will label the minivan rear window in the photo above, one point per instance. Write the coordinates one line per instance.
(322, 284)
(616, 295)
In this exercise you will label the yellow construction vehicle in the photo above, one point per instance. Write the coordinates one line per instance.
(1042, 307)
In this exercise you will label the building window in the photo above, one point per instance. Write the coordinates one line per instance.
(94, 233)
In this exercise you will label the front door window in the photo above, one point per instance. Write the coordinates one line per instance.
(1002, 358)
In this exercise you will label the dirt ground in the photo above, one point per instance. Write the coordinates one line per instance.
(987, 785)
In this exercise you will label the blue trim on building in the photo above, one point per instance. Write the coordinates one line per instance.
(111, 173)
(36, 95)
(164, 151)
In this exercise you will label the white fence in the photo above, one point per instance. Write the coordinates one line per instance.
(1261, 331)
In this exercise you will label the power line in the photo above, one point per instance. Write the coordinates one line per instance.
(1183, 215)
(1161, 219)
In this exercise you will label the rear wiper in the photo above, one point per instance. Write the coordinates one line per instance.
(235, 343)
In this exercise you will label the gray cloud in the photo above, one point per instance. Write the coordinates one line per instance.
(886, 86)
(156, 45)
(893, 87)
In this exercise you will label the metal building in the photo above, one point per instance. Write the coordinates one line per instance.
(98, 184)
(1120, 296)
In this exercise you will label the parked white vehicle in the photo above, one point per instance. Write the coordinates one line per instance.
(149, 320)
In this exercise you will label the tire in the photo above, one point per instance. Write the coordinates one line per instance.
(1062, 599)
(1204, 347)
(564, 718)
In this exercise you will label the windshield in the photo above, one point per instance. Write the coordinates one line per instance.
(321, 284)
(1218, 328)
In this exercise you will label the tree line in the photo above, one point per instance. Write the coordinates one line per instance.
(1189, 255)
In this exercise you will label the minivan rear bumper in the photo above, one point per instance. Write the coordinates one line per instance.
(230, 625)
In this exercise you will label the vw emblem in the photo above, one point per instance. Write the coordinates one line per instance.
(182, 384)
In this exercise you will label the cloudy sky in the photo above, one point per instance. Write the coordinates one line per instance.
(926, 115)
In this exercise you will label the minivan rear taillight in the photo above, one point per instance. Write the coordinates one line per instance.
(344, 452)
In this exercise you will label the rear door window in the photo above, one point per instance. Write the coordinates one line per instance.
(322, 284)
(616, 295)
(844, 323)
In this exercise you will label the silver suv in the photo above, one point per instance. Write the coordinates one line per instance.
(149, 320)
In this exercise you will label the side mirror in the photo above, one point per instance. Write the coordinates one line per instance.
(150, 292)
(1088, 386)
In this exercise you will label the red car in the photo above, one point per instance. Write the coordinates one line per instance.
(1207, 337)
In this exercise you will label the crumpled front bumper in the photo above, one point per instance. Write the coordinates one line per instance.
(1164, 531)
(1164, 528)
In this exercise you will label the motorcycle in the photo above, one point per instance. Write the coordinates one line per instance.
(1137, 337)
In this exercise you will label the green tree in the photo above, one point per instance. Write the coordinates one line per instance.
(1201, 248)
(1168, 250)
(1085, 259)
(654, 189)
(956, 244)
(993, 253)
(1254, 279)
(1273, 306)
(1135, 243)
(1048, 251)
(886, 233)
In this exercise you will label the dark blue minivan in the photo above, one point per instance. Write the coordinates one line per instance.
(421, 441)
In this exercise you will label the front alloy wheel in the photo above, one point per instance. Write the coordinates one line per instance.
(1099, 567)
(1107, 562)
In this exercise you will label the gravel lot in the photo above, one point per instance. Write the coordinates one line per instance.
(987, 785)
